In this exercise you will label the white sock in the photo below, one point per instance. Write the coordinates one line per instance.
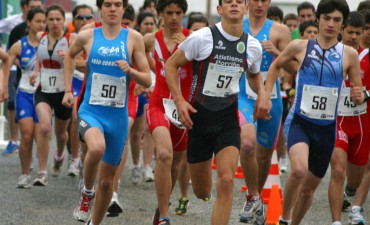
(88, 191)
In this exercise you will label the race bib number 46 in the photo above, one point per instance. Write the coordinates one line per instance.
(319, 102)
(171, 112)
(108, 91)
(222, 81)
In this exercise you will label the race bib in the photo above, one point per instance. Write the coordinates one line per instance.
(108, 91)
(24, 83)
(52, 80)
(222, 81)
(251, 94)
(319, 102)
(346, 107)
(171, 112)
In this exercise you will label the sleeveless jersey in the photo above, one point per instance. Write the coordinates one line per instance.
(27, 60)
(319, 82)
(216, 78)
(106, 84)
(364, 55)
(267, 58)
(51, 65)
(161, 55)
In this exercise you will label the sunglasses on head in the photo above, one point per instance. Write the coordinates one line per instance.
(82, 17)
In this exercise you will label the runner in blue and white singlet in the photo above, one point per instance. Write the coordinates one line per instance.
(104, 103)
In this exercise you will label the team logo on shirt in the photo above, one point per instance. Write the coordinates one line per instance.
(334, 56)
(240, 47)
(123, 50)
(220, 45)
(313, 55)
(108, 51)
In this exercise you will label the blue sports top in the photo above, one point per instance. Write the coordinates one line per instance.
(107, 84)
(320, 67)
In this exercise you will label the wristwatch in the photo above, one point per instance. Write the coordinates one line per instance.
(367, 95)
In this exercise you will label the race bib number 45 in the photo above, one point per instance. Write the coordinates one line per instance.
(347, 107)
(108, 91)
(222, 81)
(319, 102)
(171, 112)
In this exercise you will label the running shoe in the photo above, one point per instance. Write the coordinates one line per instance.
(114, 206)
(10, 148)
(356, 216)
(41, 179)
(183, 205)
(83, 211)
(57, 166)
(24, 181)
(165, 220)
(252, 210)
(73, 169)
(156, 217)
(282, 223)
(135, 175)
(283, 164)
(148, 174)
(346, 202)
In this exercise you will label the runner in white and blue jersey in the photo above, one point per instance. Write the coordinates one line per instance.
(310, 127)
(102, 114)
(25, 51)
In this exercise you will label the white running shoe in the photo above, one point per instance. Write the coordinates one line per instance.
(73, 169)
(24, 181)
(41, 179)
(136, 175)
(148, 174)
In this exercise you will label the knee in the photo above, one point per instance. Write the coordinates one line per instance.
(306, 193)
(298, 173)
(248, 147)
(225, 182)
(264, 159)
(96, 151)
(27, 137)
(45, 129)
(164, 156)
(106, 184)
(338, 172)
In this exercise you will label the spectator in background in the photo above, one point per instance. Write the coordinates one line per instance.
(151, 6)
(197, 21)
(275, 13)
(363, 5)
(308, 29)
(306, 11)
(291, 21)
(129, 16)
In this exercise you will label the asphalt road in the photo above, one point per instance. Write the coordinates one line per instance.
(54, 204)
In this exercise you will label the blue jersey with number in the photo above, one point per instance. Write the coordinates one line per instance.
(27, 57)
(320, 67)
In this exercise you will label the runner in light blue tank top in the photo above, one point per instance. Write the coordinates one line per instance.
(267, 130)
(104, 103)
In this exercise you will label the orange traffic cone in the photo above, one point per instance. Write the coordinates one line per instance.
(214, 165)
(272, 179)
(239, 171)
(274, 208)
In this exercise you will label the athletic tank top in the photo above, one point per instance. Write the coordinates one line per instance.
(27, 60)
(216, 78)
(51, 65)
(319, 82)
(161, 54)
(107, 84)
(267, 57)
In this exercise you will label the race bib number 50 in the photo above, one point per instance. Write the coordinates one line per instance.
(319, 102)
(107, 90)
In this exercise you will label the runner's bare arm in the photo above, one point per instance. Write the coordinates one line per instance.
(351, 57)
(14, 52)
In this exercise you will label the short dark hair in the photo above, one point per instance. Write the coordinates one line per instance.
(148, 2)
(163, 3)
(99, 3)
(355, 19)
(220, 2)
(290, 16)
(143, 15)
(55, 7)
(366, 14)
(363, 5)
(305, 5)
(33, 12)
(309, 23)
(78, 7)
(129, 13)
(275, 11)
(197, 18)
(328, 6)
